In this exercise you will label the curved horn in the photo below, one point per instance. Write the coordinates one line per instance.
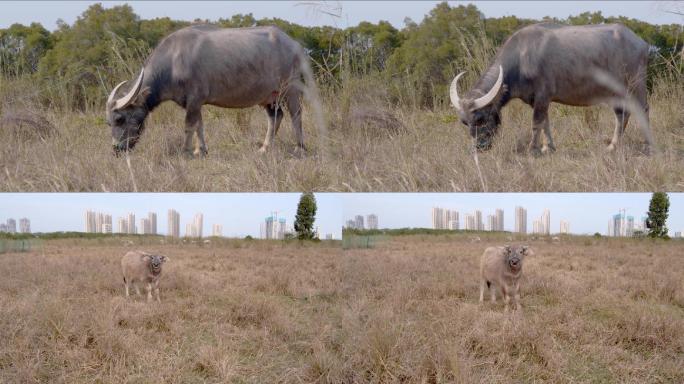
(486, 99)
(126, 100)
(111, 95)
(453, 92)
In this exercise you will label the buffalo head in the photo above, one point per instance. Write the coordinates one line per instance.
(126, 115)
(479, 114)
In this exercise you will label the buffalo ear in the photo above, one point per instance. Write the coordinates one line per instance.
(164, 259)
(147, 258)
(142, 96)
(507, 249)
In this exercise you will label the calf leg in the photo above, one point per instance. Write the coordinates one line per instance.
(137, 288)
(483, 282)
(492, 292)
(517, 296)
(156, 290)
(507, 297)
(275, 117)
(126, 285)
(148, 289)
(621, 120)
(540, 121)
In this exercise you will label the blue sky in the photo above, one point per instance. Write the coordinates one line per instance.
(586, 212)
(347, 13)
(240, 213)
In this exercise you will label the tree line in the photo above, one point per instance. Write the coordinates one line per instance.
(105, 45)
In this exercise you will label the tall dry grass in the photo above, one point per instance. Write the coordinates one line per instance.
(373, 145)
(594, 310)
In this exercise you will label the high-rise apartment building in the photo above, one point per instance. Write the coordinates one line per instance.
(479, 224)
(24, 225)
(358, 222)
(217, 230)
(520, 220)
(274, 228)
(173, 228)
(198, 223)
(122, 225)
(546, 222)
(152, 217)
(131, 224)
(90, 220)
(145, 228)
(372, 221)
(499, 215)
(470, 223)
(491, 223)
(564, 227)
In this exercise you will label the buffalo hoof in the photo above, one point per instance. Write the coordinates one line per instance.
(201, 152)
(548, 149)
(300, 151)
(188, 154)
(263, 149)
(535, 151)
(610, 147)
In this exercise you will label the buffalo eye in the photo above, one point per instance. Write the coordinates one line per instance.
(119, 119)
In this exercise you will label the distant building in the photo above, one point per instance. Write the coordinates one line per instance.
(546, 222)
(122, 225)
(273, 228)
(372, 220)
(520, 220)
(3, 227)
(564, 227)
(107, 228)
(499, 217)
(491, 223)
(444, 218)
(131, 224)
(470, 223)
(351, 224)
(329, 236)
(152, 217)
(358, 222)
(199, 223)
(90, 222)
(24, 225)
(145, 227)
(678, 234)
(173, 229)
(217, 230)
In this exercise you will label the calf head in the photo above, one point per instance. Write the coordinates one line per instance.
(514, 256)
(479, 114)
(155, 262)
(126, 115)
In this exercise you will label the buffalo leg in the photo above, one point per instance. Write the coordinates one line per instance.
(483, 283)
(621, 120)
(540, 121)
(642, 97)
(294, 106)
(193, 123)
(148, 289)
(275, 117)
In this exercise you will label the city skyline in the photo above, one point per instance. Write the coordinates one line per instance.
(239, 213)
(585, 213)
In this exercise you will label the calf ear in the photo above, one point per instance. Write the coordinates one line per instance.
(527, 251)
(164, 259)
(507, 249)
(147, 258)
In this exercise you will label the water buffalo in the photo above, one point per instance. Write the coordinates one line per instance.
(202, 64)
(544, 63)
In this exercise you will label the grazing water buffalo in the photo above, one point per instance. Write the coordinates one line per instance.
(202, 64)
(142, 267)
(545, 63)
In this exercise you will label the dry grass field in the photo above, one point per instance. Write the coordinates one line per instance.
(371, 144)
(594, 310)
